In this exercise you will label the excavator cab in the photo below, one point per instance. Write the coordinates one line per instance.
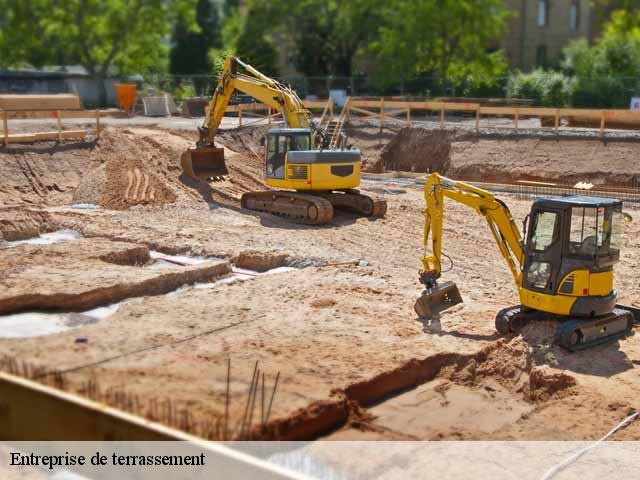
(570, 250)
(279, 143)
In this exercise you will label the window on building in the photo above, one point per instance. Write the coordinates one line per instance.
(574, 15)
(541, 56)
(543, 13)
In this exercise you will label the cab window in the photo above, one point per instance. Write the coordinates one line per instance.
(283, 143)
(585, 235)
(301, 142)
(545, 230)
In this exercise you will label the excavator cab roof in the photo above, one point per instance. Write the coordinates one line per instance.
(577, 201)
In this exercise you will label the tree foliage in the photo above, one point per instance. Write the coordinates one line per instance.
(545, 88)
(446, 38)
(606, 73)
(328, 36)
(101, 35)
(189, 54)
(248, 33)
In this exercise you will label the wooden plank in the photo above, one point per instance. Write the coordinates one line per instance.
(59, 123)
(461, 107)
(42, 136)
(5, 128)
(537, 112)
(509, 111)
(40, 102)
(34, 412)
(579, 112)
(315, 103)
(41, 114)
(97, 125)
(362, 111)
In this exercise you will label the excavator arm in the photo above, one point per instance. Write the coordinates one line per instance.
(438, 297)
(206, 161)
(264, 89)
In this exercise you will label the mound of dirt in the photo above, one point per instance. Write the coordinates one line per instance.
(49, 173)
(123, 182)
(418, 150)
(499, 157)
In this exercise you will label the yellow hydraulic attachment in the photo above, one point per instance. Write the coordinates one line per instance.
(562, 267)
(302, 157)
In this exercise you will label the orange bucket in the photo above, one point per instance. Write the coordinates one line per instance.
(126, 93)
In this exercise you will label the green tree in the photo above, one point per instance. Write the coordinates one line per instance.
(249, 33)
(104, 36)
(189, 54)
(450, 39)
(328, 37)
(606, 73)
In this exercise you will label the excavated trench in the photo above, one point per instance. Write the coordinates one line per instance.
(35, 314)
(426, 399)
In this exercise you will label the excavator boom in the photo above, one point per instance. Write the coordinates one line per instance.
(207, 161)
(438, 297)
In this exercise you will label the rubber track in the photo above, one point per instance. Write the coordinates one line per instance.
(276, 200)
(353, 200)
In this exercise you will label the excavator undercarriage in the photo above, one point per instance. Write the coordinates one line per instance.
(313, 208)
(573, 333)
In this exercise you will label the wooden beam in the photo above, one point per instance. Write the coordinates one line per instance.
(42, 136)
(59, 123)
(40, 102)
(363, 111)
(5, 128)
(33, 412)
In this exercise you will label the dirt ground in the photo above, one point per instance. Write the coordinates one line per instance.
(338, 330)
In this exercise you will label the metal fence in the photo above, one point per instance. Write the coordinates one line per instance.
(593, 92)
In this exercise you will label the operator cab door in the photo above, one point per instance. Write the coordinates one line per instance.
(277, 147)
(543, 251)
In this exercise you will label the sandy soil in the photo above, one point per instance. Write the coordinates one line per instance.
(354, 361)
(498, 157)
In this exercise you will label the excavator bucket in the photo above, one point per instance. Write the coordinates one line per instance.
(205, 163)
(437, 299)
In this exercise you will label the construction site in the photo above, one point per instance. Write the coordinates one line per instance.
(189, 301)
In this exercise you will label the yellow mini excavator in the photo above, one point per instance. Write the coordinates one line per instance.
(563, 269)
(309, 177)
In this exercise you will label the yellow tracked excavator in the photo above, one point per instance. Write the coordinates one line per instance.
(309, 174)
(562, 264)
